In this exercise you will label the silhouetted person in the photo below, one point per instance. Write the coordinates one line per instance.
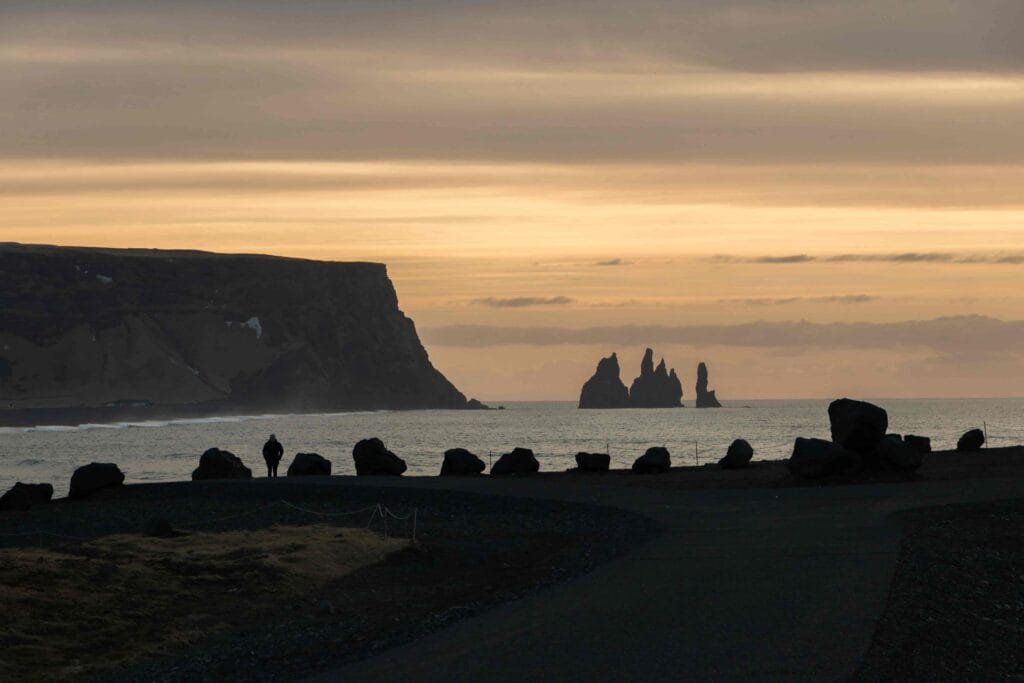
(272, 452)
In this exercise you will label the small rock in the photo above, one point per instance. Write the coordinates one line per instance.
(459, 461)
(219, 464)
(816, 458)
(309, 465)
(519, 461)
(655, 461)
(738, 455)
(24, 496)
(88, 479)
(922, 444)
(971, 441)
(592, 462)
(890, 454)
(373, 458)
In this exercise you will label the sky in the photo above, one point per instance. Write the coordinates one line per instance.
(815, 198)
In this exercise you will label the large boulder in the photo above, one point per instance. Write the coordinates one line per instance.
(655, 387)
(921, 444)
(219, 464)
(857, 425)
(592, 462)
(372, 458)
(738, 455)
(705, 398)
(655, 461)
(88, 479)
(605, 389)
(24, 496)
(459, 462)
(972, 440)
(816, 458)
(895, 455)
(309, 465)
(519, 461)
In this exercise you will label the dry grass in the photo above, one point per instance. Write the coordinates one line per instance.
(93, 606)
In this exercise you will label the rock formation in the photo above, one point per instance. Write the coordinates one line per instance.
(738, 455)
(460, 462)
(655, 388)
(86, 328)
(371, 457)
(605, 389)
(309, 465)
(215, 463)
(655, 461)
(705, 398)
(817, 458)
(857, 425)
(88, 479)
(519, 461)
(918, 443)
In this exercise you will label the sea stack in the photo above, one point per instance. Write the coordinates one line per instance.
(655, 388)
(705, 398)
(605, 389)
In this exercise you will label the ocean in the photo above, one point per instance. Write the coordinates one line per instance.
(168, 450)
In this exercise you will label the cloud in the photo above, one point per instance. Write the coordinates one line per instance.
(905, 257)
(613, 262)
(785, 301)
(524, 301)
(956, 334)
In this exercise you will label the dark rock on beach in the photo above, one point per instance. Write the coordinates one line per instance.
(655, 387)
(605, 389)
(895, 455)
(218, 464)
(705, 398)
(655, 461)
(857, 425)
(738, 455)
(88, 479)
(816, 458)
(372, 458)
(24, 496)
(519, 461)
(592, 462)
(459, 461)
(309, 465)
(971, 441)
(922, 444)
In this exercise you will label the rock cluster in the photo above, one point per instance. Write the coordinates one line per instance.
(309, 465)
(219, 464)
(460, 462)
(519, 461)
(704, 398)
(655, 387)
(859, 442)
(373, 458)
(605, 389)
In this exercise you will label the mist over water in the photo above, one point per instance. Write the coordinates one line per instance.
(168, 450)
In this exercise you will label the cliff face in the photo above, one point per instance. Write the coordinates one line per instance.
(705, 398)
(655, 387)
(605, 389)
(87, 327)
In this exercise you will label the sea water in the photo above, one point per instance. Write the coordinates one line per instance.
(168, 450)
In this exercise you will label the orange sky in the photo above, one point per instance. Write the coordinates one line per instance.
(560, 165)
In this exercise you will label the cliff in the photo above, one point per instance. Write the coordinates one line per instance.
(655, 387)
(92, 327)
(705, 398)
(605, 389)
